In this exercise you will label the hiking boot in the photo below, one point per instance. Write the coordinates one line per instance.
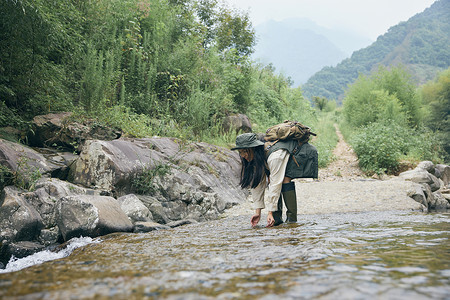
(290, 200)
(277, 215)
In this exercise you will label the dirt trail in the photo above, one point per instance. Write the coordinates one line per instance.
(345, 164)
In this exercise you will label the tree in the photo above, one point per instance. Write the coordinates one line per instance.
(320, 102)
(38, 53)
(386, 94)
(225, 28)
(436, 95)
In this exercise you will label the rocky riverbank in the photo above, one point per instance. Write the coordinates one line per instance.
(81, 179)
(105, 184)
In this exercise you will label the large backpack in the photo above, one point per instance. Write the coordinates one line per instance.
(288, 130)
(294, 137)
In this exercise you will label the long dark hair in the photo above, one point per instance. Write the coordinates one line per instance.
(253, 172)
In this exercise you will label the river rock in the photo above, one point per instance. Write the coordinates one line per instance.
(238, 123)
(24, 248)
(90, 215)
(187, 195)
(431, 201)
(142, 227)
(44, 198)
(423, 177)
(440, 202)
(181, 223)
(49, 236)
(45, 128)
(134, 208)
(444, 171)
(156, 208)
(416, 191)
(426, 166)
(24, 160)
(19, 221)
(62, 159)
(446, 194)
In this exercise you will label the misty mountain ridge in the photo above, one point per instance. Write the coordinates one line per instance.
(346, 40)
(298, 47)
(421, 45)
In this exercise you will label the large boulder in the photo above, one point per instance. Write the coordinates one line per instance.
(19, 221)
(423, 177)
(237, 123)
(46, 128)
(18, 249)
(58, 130)
(200, 180)
(158, 211)
(444, 171)
(416, 191)
(432, 184)
(112, 165)
(190, 195)
(426, 166)
(24, 248)
(441, 203)
(135, 209)
(44, 198)
(90, 215)
(25, 161)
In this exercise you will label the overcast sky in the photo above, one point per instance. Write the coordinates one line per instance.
(369, 18)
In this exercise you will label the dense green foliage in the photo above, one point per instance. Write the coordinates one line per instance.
(420, 44)
(383, 146)
(148, 67)
(383, 120)
(436, 95)
(385, 95)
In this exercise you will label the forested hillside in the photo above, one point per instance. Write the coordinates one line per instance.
(422, 44)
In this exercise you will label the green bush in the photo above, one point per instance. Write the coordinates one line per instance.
(379, 147)
(6, 176)
(26, 175)
(386, 94)
(326, 139)
(382, 146)
(143, 182)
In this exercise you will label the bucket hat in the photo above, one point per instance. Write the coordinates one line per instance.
(247, 140)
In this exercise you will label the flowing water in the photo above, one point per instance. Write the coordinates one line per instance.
(377, 255)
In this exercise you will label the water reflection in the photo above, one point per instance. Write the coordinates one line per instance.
(388, 255)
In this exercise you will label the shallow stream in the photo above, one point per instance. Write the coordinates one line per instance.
(376, 255)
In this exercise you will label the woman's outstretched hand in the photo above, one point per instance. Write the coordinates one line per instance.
(270, 219)
(256, 217)
(255, 220)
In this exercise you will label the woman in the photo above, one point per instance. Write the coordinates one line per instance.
(256, 167)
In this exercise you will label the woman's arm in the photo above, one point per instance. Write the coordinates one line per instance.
(277, 163)
(258, 201)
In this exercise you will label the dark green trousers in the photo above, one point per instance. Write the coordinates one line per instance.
(290, 200)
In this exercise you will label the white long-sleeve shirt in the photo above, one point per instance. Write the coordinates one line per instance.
(277, 162)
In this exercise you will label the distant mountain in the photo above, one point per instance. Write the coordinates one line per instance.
(345, 40)
(421, 44)
(299, 47)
